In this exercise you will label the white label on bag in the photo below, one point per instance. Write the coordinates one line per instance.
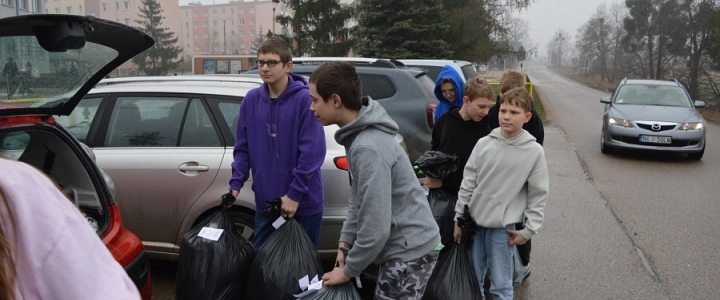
(212, 234)
(359, 284)
(304, 282)
(312, 286)
(279, 222)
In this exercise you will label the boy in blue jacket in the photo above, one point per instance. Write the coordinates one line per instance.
(281, 141)
(448, 90)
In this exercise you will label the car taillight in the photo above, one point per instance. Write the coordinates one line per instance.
(431, 115)
(341, 162)
(17, 120)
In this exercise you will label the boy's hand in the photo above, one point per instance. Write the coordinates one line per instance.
(516, 238)
(457, 233)
(433, 183)
(335, 277)
(289, 206)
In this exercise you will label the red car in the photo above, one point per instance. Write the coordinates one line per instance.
(49, 62)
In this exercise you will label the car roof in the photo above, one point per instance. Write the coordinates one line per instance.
(651, 82)
(357, 61)
(434, 62)
(231, 84)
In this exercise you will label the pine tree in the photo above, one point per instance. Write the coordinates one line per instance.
(402, 29)
(161, 57)
(259, 39)
(318, 27)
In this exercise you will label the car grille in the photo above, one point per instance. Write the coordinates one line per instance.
(662, 127)
(636, 141)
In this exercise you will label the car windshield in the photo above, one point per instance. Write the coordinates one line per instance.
(648, 94)
(35, 77)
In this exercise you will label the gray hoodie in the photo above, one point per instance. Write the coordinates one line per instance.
(505, 180)
(388, 217)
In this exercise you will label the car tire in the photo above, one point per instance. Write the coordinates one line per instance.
(604, 148)
(244, 223)
(697, 155)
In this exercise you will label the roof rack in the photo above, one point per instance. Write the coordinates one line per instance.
(357, 61)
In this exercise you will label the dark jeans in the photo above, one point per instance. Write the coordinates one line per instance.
(263, 228)
(523, 250)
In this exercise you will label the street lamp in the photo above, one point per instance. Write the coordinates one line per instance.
(224, 34)
(275, 3)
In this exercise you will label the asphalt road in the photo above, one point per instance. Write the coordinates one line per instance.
(630, 225)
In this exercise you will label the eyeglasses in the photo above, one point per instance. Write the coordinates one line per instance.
(269, 63)
(446, 92)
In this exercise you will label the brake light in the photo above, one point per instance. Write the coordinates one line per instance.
(341, 162)
(27, 120)
(431, 115)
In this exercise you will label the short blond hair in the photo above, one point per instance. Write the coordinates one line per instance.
(517, 96)
(511, 79)
(478, 88)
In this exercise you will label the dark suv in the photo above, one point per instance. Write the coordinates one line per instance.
(405, 93)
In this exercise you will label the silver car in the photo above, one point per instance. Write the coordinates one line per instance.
(167, 143)
(653, 115)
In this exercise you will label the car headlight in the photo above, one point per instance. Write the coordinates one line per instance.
(692, 126)
(620, 122)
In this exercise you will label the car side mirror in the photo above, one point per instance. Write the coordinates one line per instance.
(605, 100)
(699, 104)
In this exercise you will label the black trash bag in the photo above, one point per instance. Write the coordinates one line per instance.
(273, 209)
(287, 256)
(454, 276)
(345, 291)
(210, 269)
(437, 164)
(442, 205)
(366, 288)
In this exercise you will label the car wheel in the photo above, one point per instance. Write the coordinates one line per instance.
(697, 155)
(244, 223)
(604, 148)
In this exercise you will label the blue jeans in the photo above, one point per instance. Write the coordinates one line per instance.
(491, 248)
(263, 228)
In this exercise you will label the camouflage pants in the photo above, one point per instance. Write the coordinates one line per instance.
(405, 280)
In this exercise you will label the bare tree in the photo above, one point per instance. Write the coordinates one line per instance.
(559, 47)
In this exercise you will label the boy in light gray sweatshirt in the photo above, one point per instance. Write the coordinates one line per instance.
(389, 221)
(505, 181)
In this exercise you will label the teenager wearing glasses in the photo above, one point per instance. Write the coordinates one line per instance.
(279, 139)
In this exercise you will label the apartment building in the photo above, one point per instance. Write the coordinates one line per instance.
(9, 8)
(229, 28)
(66, 7)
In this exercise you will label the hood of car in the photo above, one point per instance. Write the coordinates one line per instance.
(49, 62)
(656, 113)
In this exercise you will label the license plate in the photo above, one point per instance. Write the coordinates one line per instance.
(655, 139)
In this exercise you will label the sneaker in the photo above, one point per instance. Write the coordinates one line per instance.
(518, 281)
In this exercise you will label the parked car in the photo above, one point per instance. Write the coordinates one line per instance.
(405, 93)
(168, 141)
(654, 115)
(30, 133)
(434, 66)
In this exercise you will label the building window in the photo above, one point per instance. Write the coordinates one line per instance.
(69, 10)
(252, 10)
(242, 45)
(242, 32)
(232, 10)
(217, 45)
(188, 46)
(127, 21)
(187, 24)
(252, 21)
(37, 4)
(207, 46)
(117, 5)
(80, 11)
(252, 32)
(204, 23)
(187, 35)
(232, 44)
(127, 5)
(241, 10)
(214, 12)
(92, 13)
(194, 14)
(23, 4)
(205, 13)
(232, 22)
(215, 34)
(186, 14)
(232, 33)
(215, 23)
(205, 35)
(241, 22)
(195, 25)
(223, 11)
(196, 35)
(197, 46)
(57, 10)
(105, 7)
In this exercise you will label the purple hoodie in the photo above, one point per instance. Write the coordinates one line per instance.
(284, 145)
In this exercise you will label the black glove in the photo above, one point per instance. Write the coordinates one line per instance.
(227, 199)
(273, 209)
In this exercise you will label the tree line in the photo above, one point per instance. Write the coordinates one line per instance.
(654, 39)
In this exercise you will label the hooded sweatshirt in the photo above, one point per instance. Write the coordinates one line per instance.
(388, 217)
(458, 83)
(284, 145)
(504, 181)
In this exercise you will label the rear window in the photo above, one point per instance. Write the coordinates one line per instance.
(433, 71)
(377, 86)
(469, 72)
(428, 86)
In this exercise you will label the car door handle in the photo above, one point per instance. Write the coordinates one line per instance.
(197, 168)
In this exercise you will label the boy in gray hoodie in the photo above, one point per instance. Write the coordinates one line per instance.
(389, 220)
(505, 181)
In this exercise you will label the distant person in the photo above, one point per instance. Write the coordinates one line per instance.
(389, 220)
(47, 248)
(505, 182)
(10, 72)
(281, 141)
(448, 90)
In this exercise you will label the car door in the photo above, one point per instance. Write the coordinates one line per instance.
(162, 152)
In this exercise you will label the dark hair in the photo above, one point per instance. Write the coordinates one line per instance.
(339, 77)
(276, 45)
(8, 271)
(511, 79)
(519, 97)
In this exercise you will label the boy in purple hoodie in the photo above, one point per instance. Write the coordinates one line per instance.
(282, 142)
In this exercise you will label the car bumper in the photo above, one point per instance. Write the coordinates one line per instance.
(629, 138)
